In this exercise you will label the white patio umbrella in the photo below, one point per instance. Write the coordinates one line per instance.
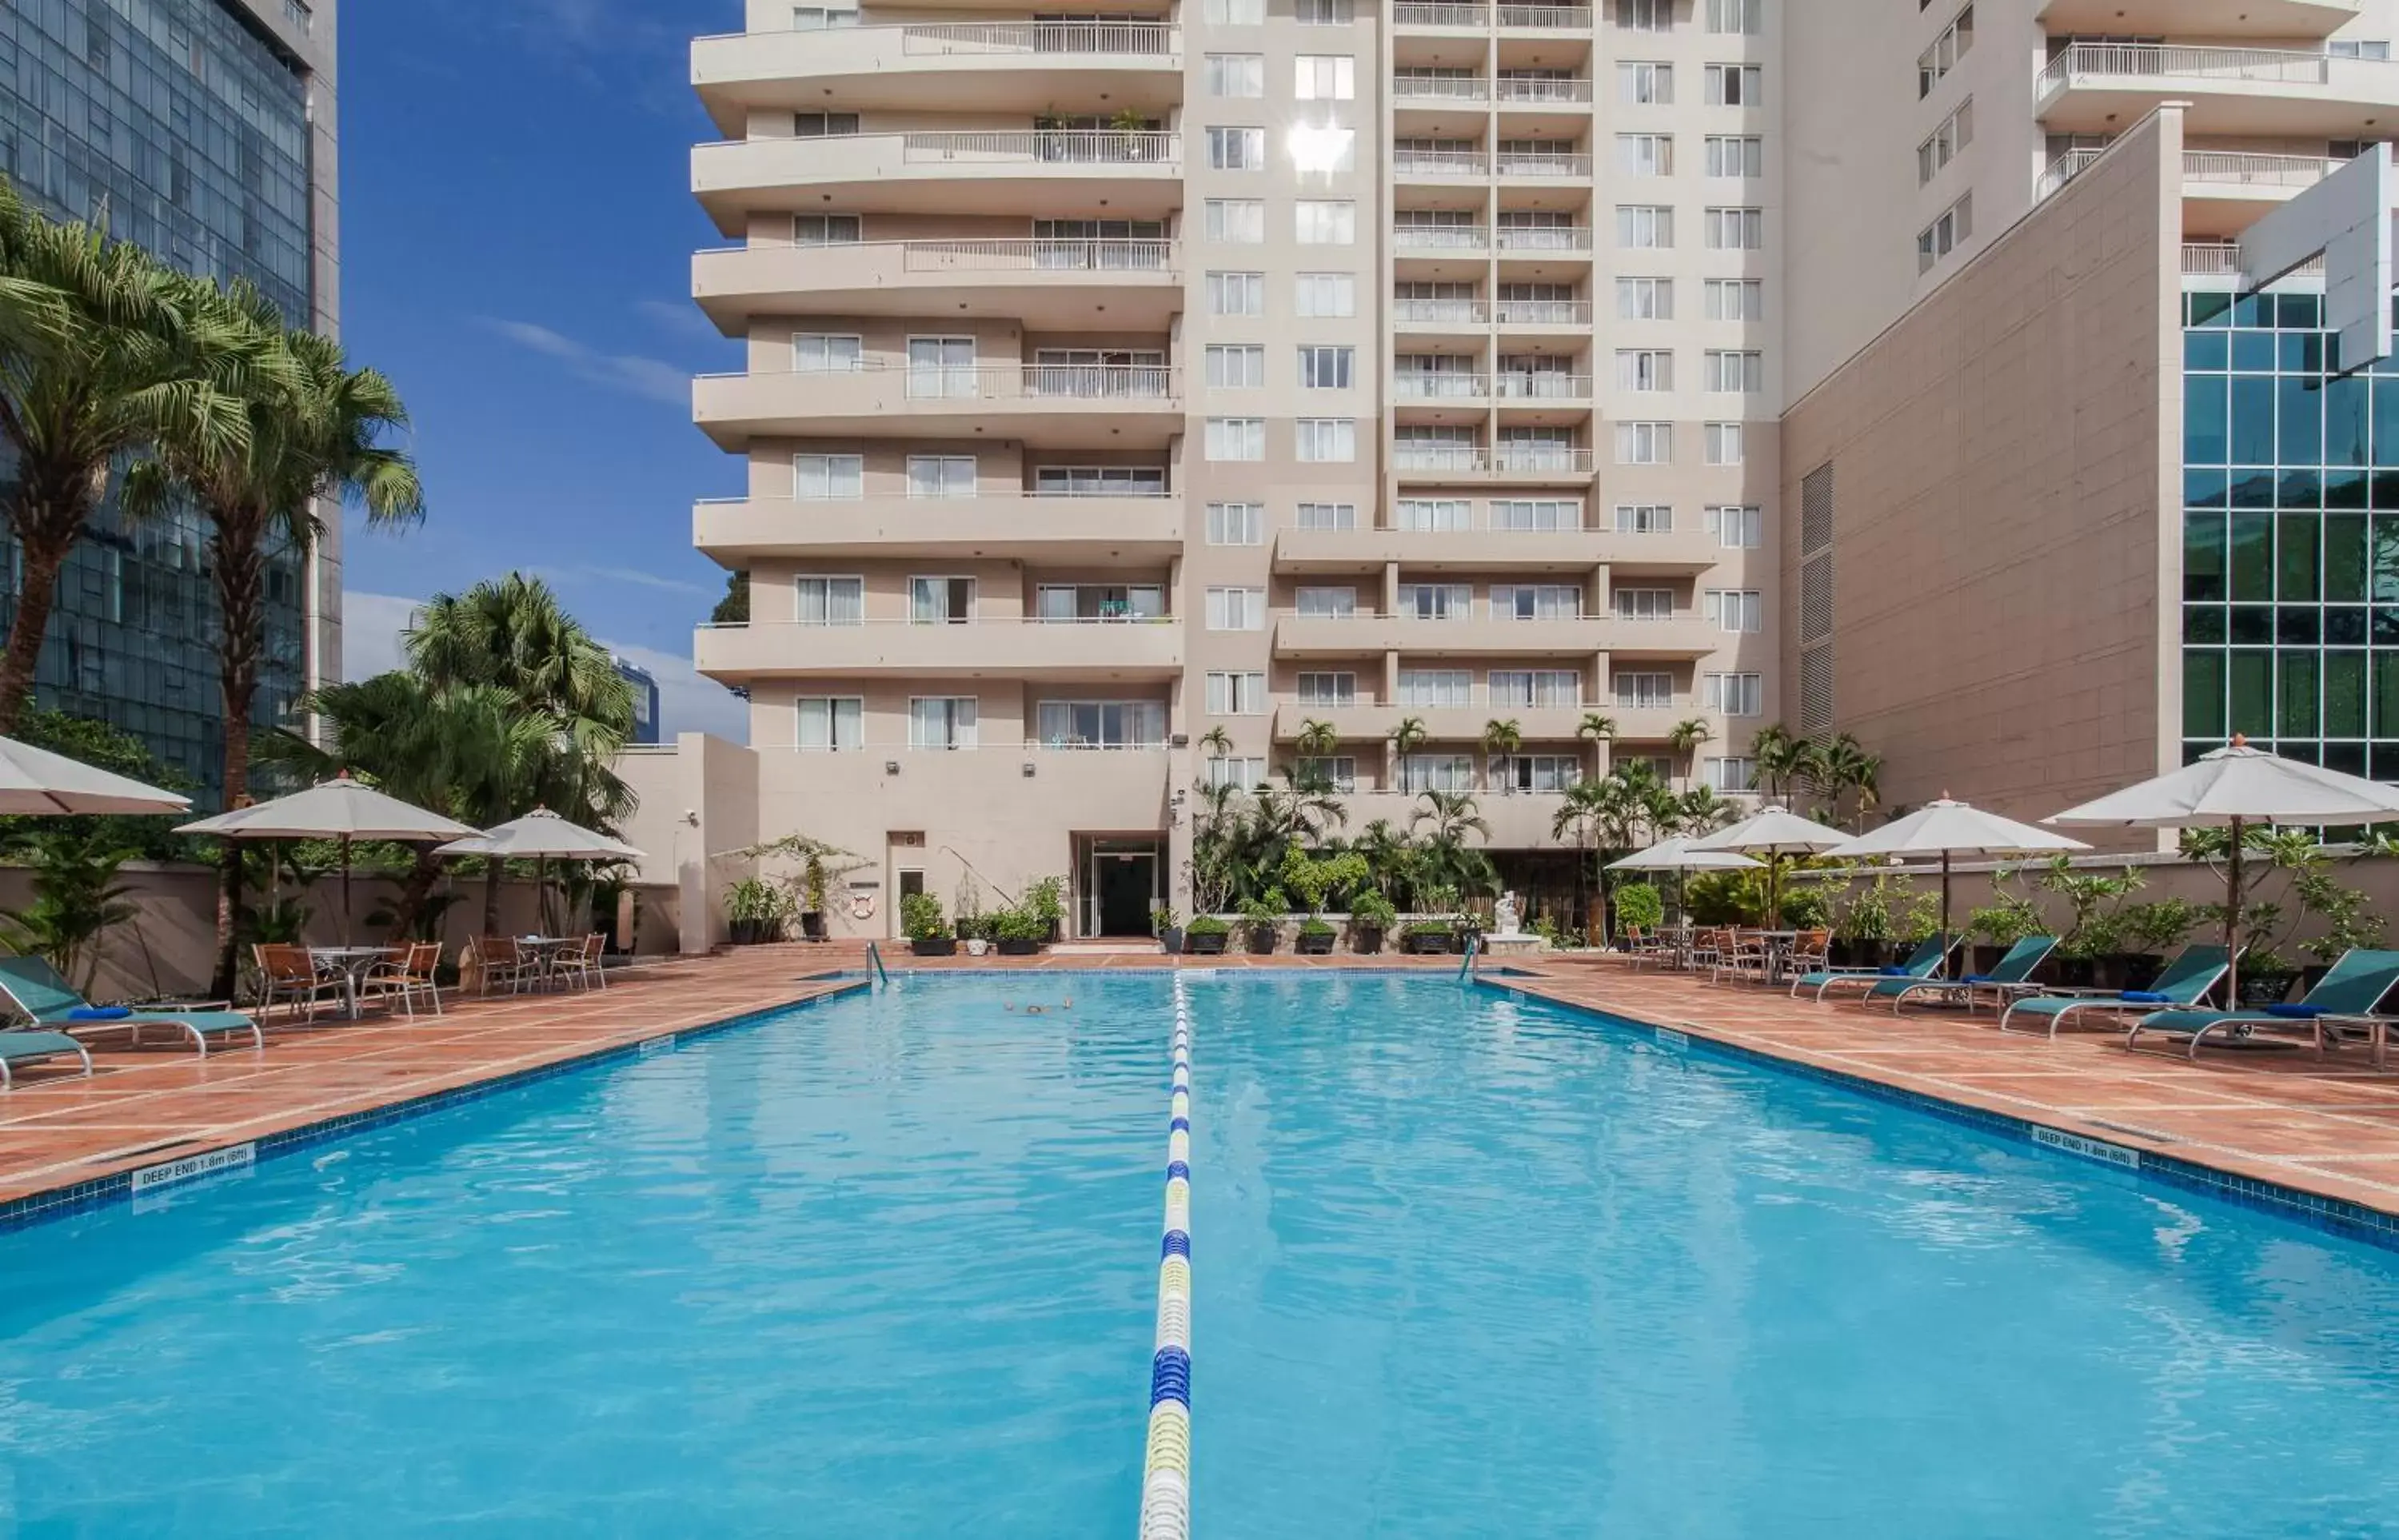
(2231, 789)
(338, 809)
(1678, 856)
(35, 780)
(1944, 828)
(1773, 833)
(542, 835)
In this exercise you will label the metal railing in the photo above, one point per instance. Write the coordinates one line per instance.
(1047, 147)
(1439, 388)
(1458, 312)
(2065, 169)
(1140, 39)
(1002, 381)
(1522, 163)
(1472, 610)
(1544, 237)
(2244, 169)
(1419, 13)
(1542, 312)
(1437, 87)
(1477, 695)
(979, 622)
(1541, 89)
(938, 500)
(1441, 237)
(1520, 460)
(1472, 163)
(2183, 62)
(1579, 17)
(1036, 255)
(1525, 385)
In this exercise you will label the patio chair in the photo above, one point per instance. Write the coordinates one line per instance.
(1747, 953)
(504, 962)
(2193, 971)
(2348, 995)
(288, 974)
(1924, 963)
(30, 1047)
(2010, 972)
(580, 964)
(1811, 951)
(410, 975)
(35, 988)
(1707, 945)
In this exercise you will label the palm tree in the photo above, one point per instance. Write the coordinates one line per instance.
(1686, 738)
(1843, 765)
(1500, 742)
(1317, 739)
(1406, 738)
(1701, 811)
(1444, 859)
(102, 355)
(1598, 729)
(1577, 820)
(1217, 741)
(1388, 853)
(1782, 759)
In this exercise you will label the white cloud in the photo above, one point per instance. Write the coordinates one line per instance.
(373, 622)
(681, 318)
(624, 575)
(655, 378)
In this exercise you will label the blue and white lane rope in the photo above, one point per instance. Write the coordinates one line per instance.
(1166, 1468)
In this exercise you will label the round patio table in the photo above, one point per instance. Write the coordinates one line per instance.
(352, 964)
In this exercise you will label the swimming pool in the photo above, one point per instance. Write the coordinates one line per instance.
(1464, 1263)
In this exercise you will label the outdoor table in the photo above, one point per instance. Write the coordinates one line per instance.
(352, 964)
(1778, 950)
(546, 949)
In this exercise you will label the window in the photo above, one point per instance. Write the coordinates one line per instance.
(1737, 17)
(1436, 687)
(1735, 695)
(1325, 13)
(1644, 226)
(1645, 15)
(1645, 84)
(1234, 74)
(1535, 514)
(1725, 443)
(1945, 233)
(827, 353)
(941, 475)
(1645, 369)
(1236, 523)
(1738, 611)
(2357, 48)
(1325, 221)
(1645, 443)
(1421, 772)
(1237, 149)
(1732, 775)
(1956, 132)
(1237, 694)
(1237, 609)
(1331, 690)
(824, 230)
(1236, 438)
(940, 367)
(1645, 519)
(1514, 774)
(1339, 772)
(941, 601)
(1936, 62)
(831, 601)
(1237, 220)
(1237, 13)
(831, 723)
(1325, 601)
(1733, 85)
(1326, 440)
(823, 124)
(1729, 372)
(1327, 367)
(1645, 299)
(824, 17)
(1102, 723)
(1325, 294)
(1736, 229)
(1738, 527)
(1240, 774)
(1237, 293)
(828, 477)
(1647, 691)
(1644, 603)
(1534, 688)
(1077, 602)
(1432, 515)
(1325, 77)
(1099, 481)
(1436, 602)
(1536, 602)
(1736, 156)
(1236, 367)
(941, 722)
(1735, 300)
(1646, 155)
(1328, 515)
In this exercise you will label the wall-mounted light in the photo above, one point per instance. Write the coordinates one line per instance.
(890, 767)
(1029, 769)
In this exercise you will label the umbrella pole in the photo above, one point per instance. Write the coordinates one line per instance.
(2232, 924)
(348, 935)
(1945, 910)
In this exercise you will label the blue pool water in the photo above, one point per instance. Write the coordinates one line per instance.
(1466, 1266)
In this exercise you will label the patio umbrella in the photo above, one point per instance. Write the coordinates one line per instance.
(35, 780)
(2231, 789)
(1944, 828)
(1678, 856)
(1773, 833)
(338, 809)
(542, 835)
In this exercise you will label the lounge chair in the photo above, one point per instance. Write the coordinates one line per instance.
(1922, 964)
(26, 1047)
(2009, 973)
(2348, 995)
(35, 988)
(2186, 981)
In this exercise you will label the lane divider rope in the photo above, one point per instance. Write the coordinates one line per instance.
(1166, 1464)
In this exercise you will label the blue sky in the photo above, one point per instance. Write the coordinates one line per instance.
(516, 252)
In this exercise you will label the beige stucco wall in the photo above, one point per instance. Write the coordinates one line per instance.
(699, 805)
(2000, 461)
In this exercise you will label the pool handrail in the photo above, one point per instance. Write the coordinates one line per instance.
(875, 955)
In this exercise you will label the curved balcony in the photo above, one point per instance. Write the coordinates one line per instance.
(2096, 87)
(1083, 531)
(2224, 18)
(1046, 406)
(975, 649)
(1135, 173)
(1046, 284)
(958, 66)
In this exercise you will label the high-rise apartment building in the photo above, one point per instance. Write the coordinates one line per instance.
(203, 130)
(1137, 396)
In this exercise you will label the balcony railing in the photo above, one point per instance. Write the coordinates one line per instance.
(1463, 460)
(1546, 16)
(1439, 312)
(2183, 62)
(1472, 610)
(1471, 163)
(1140, 39)
(1542, 312)
(1521, 163)
(2213, 167)
(2209, 260)
(1037, 256)
(1006, 381)
(1439, 388)
(1437, 87)
(1045, 146)
(1479, 695)
(1419, 13)
(1544, 237)
(1441, 237)
(1541, 89)
(1521, 386)
(2065, 169)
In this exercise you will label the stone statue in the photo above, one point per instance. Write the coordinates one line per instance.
(1504, 915)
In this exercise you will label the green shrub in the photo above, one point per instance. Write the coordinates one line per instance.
(920, 918)
(1206, 925)
(1045, 900)
(1316, 925)
(1371, 910)
(1806, 909)
(2005, 921)
(2161, 925)
(1640, 904)
(1019, 925)
(1266, 909)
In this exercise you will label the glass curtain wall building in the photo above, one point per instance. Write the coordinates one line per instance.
(200, 128)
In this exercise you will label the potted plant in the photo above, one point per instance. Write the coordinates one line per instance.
(2094, 928)
(1167, 926)
(1315, 939)
(1808, 908)
(753, 911)
(2151, 930)
(1206, 935)
(920, 920)
(1372, 915)
(1639, 906)
(1262, 916)
(1045, 900)
(1862, 934)
(1018, 932)
(2266, 975)
(1464, 926)
(1426, 936)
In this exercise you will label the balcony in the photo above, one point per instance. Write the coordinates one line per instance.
(1046, 406)
(1472, 635)
(1650, 721)
(1059, 531)
(1529, 465)
(1545, 553)
(1366, 725)
(1423, 15)
(1681, 637)
(1543, 240)
(2098, 87)
(1047, 285)
(1438, 91)
(1544, 17)
(1518, 820)
(1440, 318)
(1520, 387)
(2224, 18)
(1541, 92)
(1411, 386)
(978, 649)
(1522, 166)
(1440, 165)
(1135, 173)
(1440, 239)
(2222, 260)
(1535, 315)
(963, 66)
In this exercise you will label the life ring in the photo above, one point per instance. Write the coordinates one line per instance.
(862, 906)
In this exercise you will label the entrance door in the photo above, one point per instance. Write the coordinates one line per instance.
(1126, 884)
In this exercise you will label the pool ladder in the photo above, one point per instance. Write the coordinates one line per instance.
(1466, 964)
(875, 955)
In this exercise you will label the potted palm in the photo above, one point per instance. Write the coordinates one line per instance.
(1263, 915)
(1167, 926)
(920, 919)
(753, 911)
(1371, 918)
(1206, 935)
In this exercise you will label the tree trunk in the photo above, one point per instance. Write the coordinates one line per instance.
(240, 577)
(44, 556)
(494, 868)
(415, 889)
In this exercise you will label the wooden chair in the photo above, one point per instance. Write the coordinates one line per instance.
(288, 974)
(408, 976)
(580, 964)
(504, 962)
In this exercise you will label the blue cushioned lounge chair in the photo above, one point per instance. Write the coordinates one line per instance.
(2350, 993)
(1923, 963)
(26, 1047)
(2009, 973)
(35, 988)
(2185, 982)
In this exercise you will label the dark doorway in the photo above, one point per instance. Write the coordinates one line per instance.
(1125, 884)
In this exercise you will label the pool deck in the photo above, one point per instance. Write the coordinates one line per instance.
(2326, 1127)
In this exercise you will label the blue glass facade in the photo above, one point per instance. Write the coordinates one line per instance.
(2290, 604)
(645, 701)
(188, 131)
